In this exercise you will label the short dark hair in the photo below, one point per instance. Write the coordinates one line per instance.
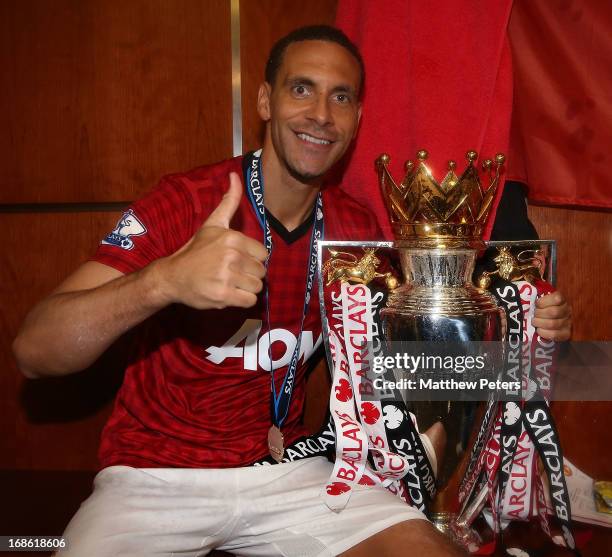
(311, 33)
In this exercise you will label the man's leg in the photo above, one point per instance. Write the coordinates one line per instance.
(414, 537)
(283, 512)
(152, 512)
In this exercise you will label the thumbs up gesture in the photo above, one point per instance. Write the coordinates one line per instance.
(218, 267)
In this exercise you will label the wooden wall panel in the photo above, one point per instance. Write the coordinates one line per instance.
(101, 97)
(584, 430)
(262, 23)
(584, 268)
(49, 424)
(584, 241)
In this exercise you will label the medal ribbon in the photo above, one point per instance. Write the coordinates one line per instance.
(255, 189)
(540, 425)
(398, 458)
(508, 296)
(517, 498)
(392, 461)
(494, 444)
(535, 419)
(477, 456)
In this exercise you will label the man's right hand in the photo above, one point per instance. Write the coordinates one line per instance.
(218, 267)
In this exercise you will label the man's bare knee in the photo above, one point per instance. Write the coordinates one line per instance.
(418, 536)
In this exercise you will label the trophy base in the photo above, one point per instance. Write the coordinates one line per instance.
(442, 521)
(462, 534)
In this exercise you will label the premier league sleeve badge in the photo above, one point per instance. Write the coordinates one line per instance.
(129, 225)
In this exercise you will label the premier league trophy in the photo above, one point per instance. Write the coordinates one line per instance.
(438, 229)
(450, 442)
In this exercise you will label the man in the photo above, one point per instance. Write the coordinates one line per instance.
(215, 284)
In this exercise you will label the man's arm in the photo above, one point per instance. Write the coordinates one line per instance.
(71, 328)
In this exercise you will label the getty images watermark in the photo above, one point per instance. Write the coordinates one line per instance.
(434, 370)
(474, 371)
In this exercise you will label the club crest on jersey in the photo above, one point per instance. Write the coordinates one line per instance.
(128, 225)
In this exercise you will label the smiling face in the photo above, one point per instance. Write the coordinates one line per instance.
(312, 110)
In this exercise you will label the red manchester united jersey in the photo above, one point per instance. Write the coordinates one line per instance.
(196, 392)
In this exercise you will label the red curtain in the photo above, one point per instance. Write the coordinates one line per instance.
(562, 124)
(438, 77)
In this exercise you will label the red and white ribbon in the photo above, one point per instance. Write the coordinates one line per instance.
(359, 423)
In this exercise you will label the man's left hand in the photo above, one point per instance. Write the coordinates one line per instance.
(553, 317)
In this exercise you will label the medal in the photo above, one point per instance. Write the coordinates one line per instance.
(276, 443)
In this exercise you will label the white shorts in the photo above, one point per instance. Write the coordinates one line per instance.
(259, 511)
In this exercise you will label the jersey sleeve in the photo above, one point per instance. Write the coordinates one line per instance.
(155, 226)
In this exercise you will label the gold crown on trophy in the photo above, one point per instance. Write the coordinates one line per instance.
(451, 213)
